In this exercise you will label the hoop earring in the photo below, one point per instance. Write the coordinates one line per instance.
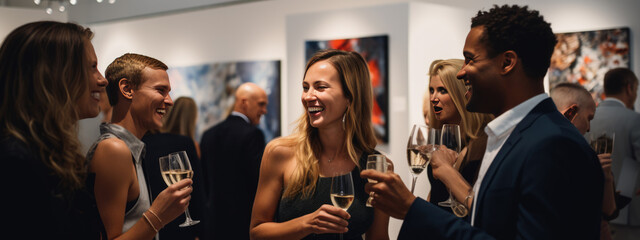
(344, 118)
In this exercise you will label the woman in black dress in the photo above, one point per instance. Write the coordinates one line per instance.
(334, 135)
(48, 81)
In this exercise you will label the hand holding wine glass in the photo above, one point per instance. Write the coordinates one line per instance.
(342, 192)
(175, 167)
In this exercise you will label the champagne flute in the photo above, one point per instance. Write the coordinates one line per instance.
(418, 154)
(342, 193)
(376, 162)
(451, 139)
(175, 167)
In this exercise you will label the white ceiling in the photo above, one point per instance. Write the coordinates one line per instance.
(90, 11)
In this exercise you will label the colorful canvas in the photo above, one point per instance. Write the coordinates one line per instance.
(375, 51)
(584, 58)
(212, 86)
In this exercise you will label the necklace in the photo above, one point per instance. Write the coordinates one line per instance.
(336, 154)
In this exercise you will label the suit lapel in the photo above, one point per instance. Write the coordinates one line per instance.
(540, 109)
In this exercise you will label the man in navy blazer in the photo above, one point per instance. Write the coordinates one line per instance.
(539, 179)
(231, 155)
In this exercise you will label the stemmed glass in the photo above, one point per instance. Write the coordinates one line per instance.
(451, 139)
(342, 192)
(601, 142)
(175, 167)
(419, 148)
(376, 162)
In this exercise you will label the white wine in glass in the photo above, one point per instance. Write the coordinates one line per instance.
(419, 150)
(175, 167)
(342, 193)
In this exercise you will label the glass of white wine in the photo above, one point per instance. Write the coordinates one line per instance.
(175, 167)
(342, 193)
(379, 163)
(419, 150)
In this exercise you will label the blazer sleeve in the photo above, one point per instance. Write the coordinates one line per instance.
(253, 154)
(426, 221)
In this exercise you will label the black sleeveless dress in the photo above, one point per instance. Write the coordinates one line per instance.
(361, 215)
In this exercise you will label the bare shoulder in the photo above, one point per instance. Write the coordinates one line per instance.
(111, 154)
(279, 150)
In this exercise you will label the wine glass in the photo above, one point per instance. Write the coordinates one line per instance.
(342, 193)
(175, 167)
(601, 142)
(450, 138)
(419, 148)
(379, 163)
(459, 209)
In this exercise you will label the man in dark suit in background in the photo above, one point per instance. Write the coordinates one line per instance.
(231, 155)
(539, 179)
(615, 114)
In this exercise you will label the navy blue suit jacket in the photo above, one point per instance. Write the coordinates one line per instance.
(545, 183)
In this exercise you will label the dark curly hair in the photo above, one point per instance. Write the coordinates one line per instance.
(521, 30)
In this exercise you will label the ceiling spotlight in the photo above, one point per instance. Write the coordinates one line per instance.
(37, 2)
(49, 11)
(112, 1)
(61, 8)
(73, 2)
(99, 1)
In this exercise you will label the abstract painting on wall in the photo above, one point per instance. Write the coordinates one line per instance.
(375, 51)
(584, 58)
(212, 86)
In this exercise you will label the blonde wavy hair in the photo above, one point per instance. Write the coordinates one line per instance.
(356, 84)
(43, 73)
(472, 124)
(181, 118)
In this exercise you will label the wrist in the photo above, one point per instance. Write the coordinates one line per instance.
(447, 175)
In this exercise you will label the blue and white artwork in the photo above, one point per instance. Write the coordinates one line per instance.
(212, 86)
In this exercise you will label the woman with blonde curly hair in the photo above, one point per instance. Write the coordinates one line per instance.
(48, 81)
(334, 135)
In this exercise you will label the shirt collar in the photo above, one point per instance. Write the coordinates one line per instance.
(136, 146)
(615, 100)
(509, 119)
(239, 114)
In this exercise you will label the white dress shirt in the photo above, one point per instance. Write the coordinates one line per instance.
(498, 131)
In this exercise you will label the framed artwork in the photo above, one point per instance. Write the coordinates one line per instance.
(375, 51)
(584, 58)
(212, 86)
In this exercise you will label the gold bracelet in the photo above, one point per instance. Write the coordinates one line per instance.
(156, 215)
(149, 221)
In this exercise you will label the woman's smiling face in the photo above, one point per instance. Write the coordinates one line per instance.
(442, 105)
(322, 96)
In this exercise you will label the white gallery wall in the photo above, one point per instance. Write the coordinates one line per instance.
(11, 18)
(419, 32)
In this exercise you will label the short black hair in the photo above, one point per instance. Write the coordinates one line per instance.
(617, 79)
(521, 30)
